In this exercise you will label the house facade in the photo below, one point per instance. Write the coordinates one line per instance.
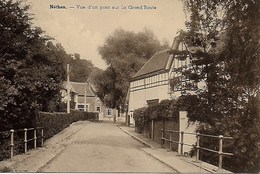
(83, 97)
(73, 97)
(151, 84)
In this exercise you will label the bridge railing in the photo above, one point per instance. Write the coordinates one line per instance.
(196, 146)
(29, 135)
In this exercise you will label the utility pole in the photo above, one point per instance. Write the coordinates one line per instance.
(68, 88)
(85, 97)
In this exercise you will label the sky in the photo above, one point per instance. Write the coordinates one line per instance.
(81, 28)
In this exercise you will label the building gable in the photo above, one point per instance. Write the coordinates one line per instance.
(158, 63)
(83, 89)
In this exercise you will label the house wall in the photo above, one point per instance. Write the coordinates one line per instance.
(106, 113)
(73, 97)
(90, 101)
(149, 88)
(185, 126)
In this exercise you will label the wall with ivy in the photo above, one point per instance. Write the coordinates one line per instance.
(165, 116)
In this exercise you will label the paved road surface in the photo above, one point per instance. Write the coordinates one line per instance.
(103, 147)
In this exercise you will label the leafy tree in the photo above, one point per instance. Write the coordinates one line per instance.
(125, 52)
(224, 37)
(30, 74)
(80, 68)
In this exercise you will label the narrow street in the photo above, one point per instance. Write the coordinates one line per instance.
(102, 147)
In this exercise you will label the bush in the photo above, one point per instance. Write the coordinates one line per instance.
(141, 119)
(166, 109)
(54, 123)
(79, 115)
(4, 145)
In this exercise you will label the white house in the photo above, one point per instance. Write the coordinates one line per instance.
(151, 83)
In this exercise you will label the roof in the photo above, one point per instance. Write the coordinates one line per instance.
(81, 87)
(64, 86)
(160, 62)
(157, 63)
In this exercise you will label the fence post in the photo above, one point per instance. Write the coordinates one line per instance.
(182, 133)
(42, 138)
(25, 140)
(162, 139)
(12, 143)
(220, 152)
(198, 147)
(152, 130)
(35, 138)
(170, 140)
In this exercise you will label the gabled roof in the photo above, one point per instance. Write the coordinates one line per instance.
(64, 86)
(156, 64)
(81, 87)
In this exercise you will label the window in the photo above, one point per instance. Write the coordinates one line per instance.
(152, 102)
(98, 109)
(109, 112)
(81, 107)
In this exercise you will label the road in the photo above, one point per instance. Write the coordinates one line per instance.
(103, 147)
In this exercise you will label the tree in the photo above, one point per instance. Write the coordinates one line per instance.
(226, 41)
(30, 74)
(125, 52)
(80, 68)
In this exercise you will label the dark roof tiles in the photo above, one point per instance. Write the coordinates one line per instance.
(157, 63)
(81, 87)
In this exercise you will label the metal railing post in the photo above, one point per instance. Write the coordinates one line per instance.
(25, 140)
(42, 138)
(162, 139)
(198, 147)
(182, 133)
(35, 138)
(152, 130)
(12, 143)
(220, 152)
(170, 140)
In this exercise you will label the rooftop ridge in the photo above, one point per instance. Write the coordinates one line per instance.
(152, 65)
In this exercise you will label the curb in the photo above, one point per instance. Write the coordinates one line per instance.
(143, 142)
(20, 159)
(148, 145)
(162, 161)
(39, 170)
(58, 153)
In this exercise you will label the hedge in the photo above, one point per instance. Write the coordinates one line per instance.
(54, 123)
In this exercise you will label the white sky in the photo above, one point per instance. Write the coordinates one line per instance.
(83, 31)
